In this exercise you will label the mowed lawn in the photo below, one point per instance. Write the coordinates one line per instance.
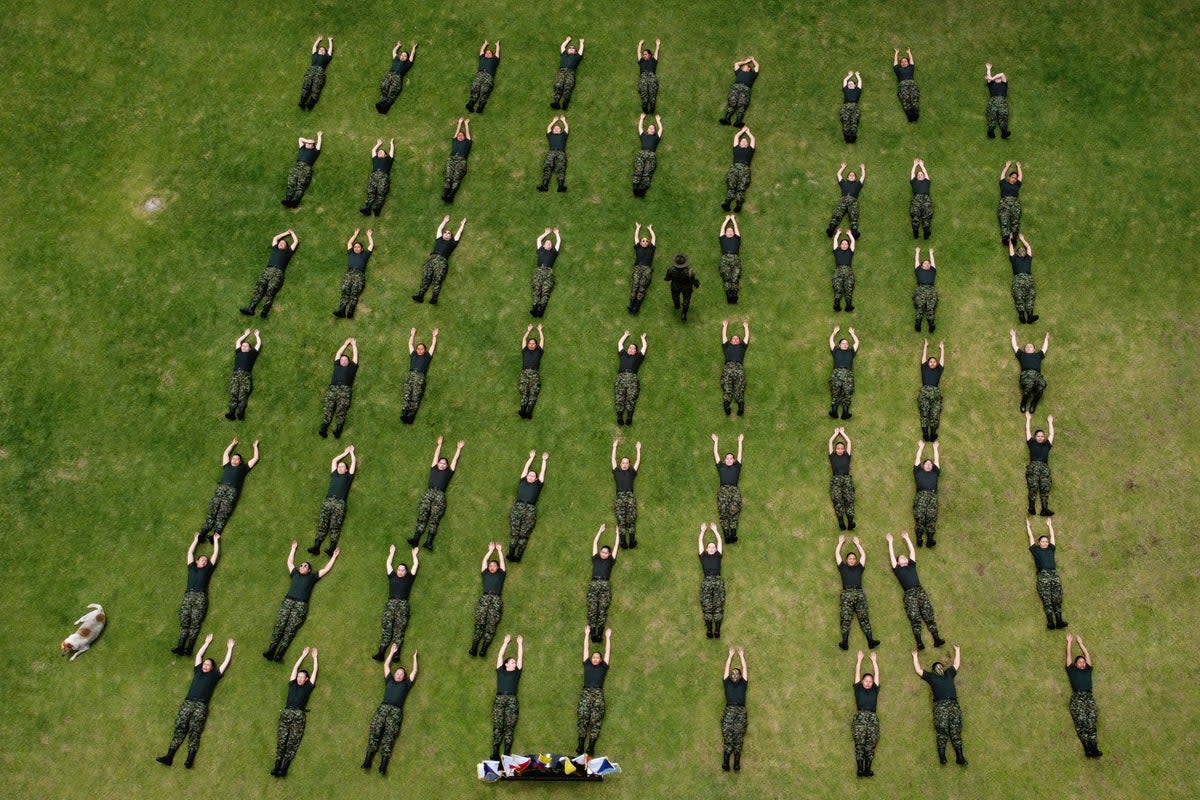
(119, 323)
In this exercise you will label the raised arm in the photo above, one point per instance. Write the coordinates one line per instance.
(1024, 241)
(643, 343)
(466, 129)
(353, 465)
(562, 48)
(746, 132)
(653, 236)
(396, 50)
(317, 43)
(851, 239)
(833, 336)
(370, 240)
(587, 636)
(1004, 170)
(412, 337)
(1050, 429)
(1046, 343)
(318, 142)
(937, 450)
(841, 173)
(849, 444)
(387, 662)
(724, 331)
(416, 559)
(541, 238)
(563, 119)
(458, 448)
(437, 452)
(596, 540)
(354, 349)
(837, 552)
(458, 233)
(917, 664)
(542, 471)
(238, 342)
(912, 553)
(1020, 174)
(433, 336)
(942, 353)
(216, 553)
(741, 438)
(191, 553)
(920, 451)
(862, 173)
(500, 557)
(658, 124)
(742, 658)
(614, 454)
(200, 653)
(896, 57)
(341, 350)
(862, 551)
(550, 127)
(391, 555)
(875, 667)
(333, 463)
(228, 452)
(853, 335)
(483, 47)
(291, 559)
(621, 342)
(487, 557)
(717, 535)
(229, 656)
(1029, 532)
(858, 668)
(299, 661)
(911, 60)
(916, 265)
(312, 678)
(1012, 335)
(520, 648)
(729, 662)
(607, 645)
(330, 38)
(442, 227)
(1070, 653)
(1087, 657)
(541, 337)
(528, 464)
(497, 48)
(1050, 528)
(253, 455)
(640, 47)
(700, 540)
(925, 351)
(353, 236)
(957, 657)
(924, 168)
(641, 121)
(637, 456)
(891, 551)
(1028, 425)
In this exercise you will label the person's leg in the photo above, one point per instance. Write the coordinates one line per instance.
(845, 615)
(955, 730)
(848, 290)
(560, 168)
(297, 612)
(393, 719)
(387, 627)
(480, 624)
(343, 394)
(498, 717)
(1003, 117)
(426, 277)
(375, 734)
(993, 116)
(1045, 590)
(835, 216)
(440, 268)
(912, 610)
(437, 507)
(861, 611)
(941, 727)
(926, 609)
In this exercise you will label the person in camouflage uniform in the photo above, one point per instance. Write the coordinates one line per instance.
(853, 600)
(643, 266)
(627, 387)
(1023, 291)
(1083, 704)
(843, 270)
(906, 88)
(379, 183)
(389, 716)
(505, 709)
(395, 612)
(271, 279)
(340, 391)
(456, 163)
(490, 606)
(997, 107)
(485, 78)
(393, 81)
(1031, 380)
(730, 239)
(193, 711)
(542, 283)
(925, 293)
(1037, 471)
(194, 607)
(591, 698)
(1008, 213)
(433, 502)
(355, 279)
(920, 208)
(917, 606)
(865, 725)
(737, 179)
(529, 384)
(242, 383)
(333, 507)
(648, 75)
(523, 515)
(564, 79)
(1049, 583)
(847, 205)
(841, 380)
(555, 162)
(745, 73)
(947, 715)
(224, 500)
(733, 719)
(294, 608)
(419, 359)
(841, 482)
(729, 496)
(300, 175)
(314, 76)
(437, 263)
(599, 591)
(929, 399)
(646, 160)
(290, 730)
(624, 503)
(925, 502)
(849, 114)
(712, 585)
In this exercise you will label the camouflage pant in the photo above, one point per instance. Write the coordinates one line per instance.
(433, 272)
(377, 188)
(1008, 213)
(599, 596)
(240, 386)
(841, 493)
(626, 511)
(853, 603)
(430, 510)
(910, 97)
(947, 723)
(865, 730)
(843, 283)
(288, 620)
(644, 164)
(414, 390)
(481, 87)
(488, 610)
(925, 513)
(841, 386)
(918, 609)
(997, 112)
(336, 404)
(738, 101)
(289, 733)
(393, 624)
(555, 164)
(731, 271)
(1050, 590)
(353, 283)
(521, 519)
(729, 507)
(849, 116)
(297, 181)
(639, 281)
(189, 723)
(192, 612)
(314, 82)
(385, 729)
(625, 392)
(390, 88)
(267, 285)
(541, 285)
(564, 84)
(733, 729)
(329, 523)
(1084, 715)
(648, 88)
(925, 301)
(591, 712)
(733, 382)
(920, 211)
(1032, 382)
(737, 181)
(929, 405)
(224, 500)
(1023, 293)
(847, 205)
(456, 170)
(529, 386)
(505, 712)
(712, 598)
(1038, 482)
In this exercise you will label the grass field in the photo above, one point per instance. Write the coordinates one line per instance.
(119, 321)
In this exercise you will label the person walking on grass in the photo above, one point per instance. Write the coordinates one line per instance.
(648, 75)
(850, 113)
(355, 279)
(393, 81)
(1037, 471)
(1031, 379)
(301, 174)
(847, 204)
(433, 501)
(745, 73)
(1008, 213)
(490, 605)
(917, 606)
(734, 719)
(505, 709)
(485, 77)
(841, 380)
(843, 270)
(241, 383)
(290, 730)
(419, 359)
(737, 179)
(294, 608)
(542, 283)
(271, 280)
(340, 391)
(1083, 705)
(624, 503)
(394, 622)
(947, 715)
(683, 282)
(643, 265)
(437, 263)
(314, 76)
(599, 591)
(1020, 256)
(389, 716)
(865, 725)
(529, 385)
(646, 160)
(729, 496)
(456, 164)
(841, 482)
(730, 239)
(1049, 583)
(712, 585)
(193, 711)
(555, 162)
(564, 79)
(920, 208)
(591, 698)
(929, 399)
(853, 601)
(905, 68)
(733, 374)
(523, 515)
(234, 470)
(627, 386)
(925, 502)
(333, 509)
(380, 180)
(194, 607)
(997, 106)
(925, 293)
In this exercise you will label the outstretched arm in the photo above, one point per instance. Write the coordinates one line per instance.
(957, 657)
(228, 452)
(1024, 241)
(853, 335)
(253, 455)
(487, 557)
(925, 351)
(849, 444)
(461, 225)
(637, 456)
(614, 454)
(299, 661)
(724, 331)
(917, 664)
(1087, 657)
(716, 450)
(191, 553)
(858, 668)
(942, 353)
(833, 336)
(1004, 170)
(387, 662)
(541, 337)
(741, 438)
(837, 551)
(875, 667)
(457, 452)
(1028, 425)
(587, 636)
(643, 343)
(433, 340)
(200, 653)
(1020, 174)
(1046, 343)
(1029, 531)
(742, 658)
(1070, 653)
(729, 662)
(229, 656)
(312, 678)
(370, 240)
(520, 652)
(862, 552)
(621, 341)
(332, 560)
(317, 43)
(528, 463)
(412, 337)
(912, 553)
(437, 452)
(891, 551)
(700, 540)
(607, 645)
(920, 451)
(1050, 527)
(596, 540)
(562, 48)
(503, 647)
(937, 450)
(1050, 429)
(1012, 335)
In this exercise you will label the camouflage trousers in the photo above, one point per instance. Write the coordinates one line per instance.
(865, 730)
(393, 624)
(1023, 293)
(430, 511)
(1032, 382)
(288, 619)
(731, 271)
(1008, 213)
(336, 404)
(625, 392)
(297, 181)
(639, 282)
(729, 507)
(414, 390)
(841, 386)
(925, 513)
(481, 88)
(947, 723)
(289, 733)
(555, 163)
(841, 493)
(925, 302)
(1050, 590)
(224, 500)
(910, 97)
(1084, 715)
(849, 115)
(267, 285)
(385, 729)
(505, 712)
(488, 610)
(843, 283)
(918, 609)
(564, 85)
(599, 596)
(733, 729)
(626, 511)
(329, 522)
(1038, 482)
(378, 185)
(920, 211)
(189, 724)
(389, 89)
(712, 598)
(591, 712)
(529, 386)
(733, 382)
(433, 272)
(240, 386)
(853, 603)
(846, 206)
(456, 170)
(929, 406)
(353, 283)
(521, 519)
(192, 612)
(738, 101)
(737, 181)
(310, 88)
(644, 164)
(648, 89)
(541, 285)
(997, 112)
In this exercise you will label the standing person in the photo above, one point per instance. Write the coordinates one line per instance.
(340, 391)
(271, 279)
(355, 279)
(712, 585)
(733, 719)
(393, 81)
(591, 699)
(419, 359)
(523, 515)
(437, 263)
(737, 179)
(683, 282)
(853, 600)
(301, 174)
(865, 725)
(624, 502)
(925, 293)
(1023, 291)
(564, 80)
(1037, 472)
(841, 482)
(555, 162)
(599, 591)
(745, 73)
(627, 386)
(843, 270)
(1031, 380)
(290, 730)
(1083, 705)
(1049, 582)
(648, 75)
(920, 208)
(505, 709)
(529, 385)
(542, 283)
(394, 622)
(389, 716)
(841, 380)
(997, 107)
(241, 383)
(433, 501)
(925, 502)
(646, 161)
(729, 496)
(947, 715)
(1008, 213)
(456, 164)
(234, 470)
(643, 265)
(929, 399)
(193, 711)
(333, 508)
(294, 608)
(733, 374)
(194, 607)
(730, 240)
(380, 180)
(485, 77)
(917, 606)
(314, 76)
(849, 114)
(490, 605)
(847, 204)
(906, 88)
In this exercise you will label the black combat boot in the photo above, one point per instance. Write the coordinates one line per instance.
(337, 432)
(1033, 401)
(846, 406)
(495, 753)
(850, 522)
(1032, 318)
(933, 433)
(544, 186)
(419, 297)
(928, 231)
(632, 536)
(415, 539)
(287, 762)
(741, 412)
(837, 303)
(916, 230)
(941, 752)
(920, 644)
(737, 207)
(725, 121)
(316, 547)
(368, 758)
(932, 326)
(1049, 621)
(249, 310)
(1059, 622)
(991, 132)
(737, 761)
(867, 773)
(833, 410)
(1046, 512)
(938, 641)
(180, 648)
(380, 655)
(728, 408)
(383, 762)
(1005, 133)
(1023, 319)
(591, 746)
(845, 642)
(733, 297)
(731, 536)
(629, 421)
(841, 522)
(717, 629)
(429, 540)
(581, 748)
(872, 643)
(1024, 406)
(230, 414)
(562, 186)
(725, 761)
(266, 309)
(708, 628)
(740, 122)
(725, 205)
(269, 653)
(959, 758)
(862, 767)
(433, 298)
(931, 542)
(168, 759)
(190, 761)
(350, 310)
(278, 767)
(474, 651)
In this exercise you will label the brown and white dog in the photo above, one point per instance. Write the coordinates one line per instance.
(90, 625)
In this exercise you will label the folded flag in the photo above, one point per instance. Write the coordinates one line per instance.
(489, 771)
(514, 765)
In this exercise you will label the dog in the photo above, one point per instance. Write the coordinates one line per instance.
(90, 625)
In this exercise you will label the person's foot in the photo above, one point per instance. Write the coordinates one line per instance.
(844, 644)
(562, 187)
(741, 409)
(269, 654)
(991, 133)
(248, 311)
(543, 187)
(279, 656)
(555, 105)
(846, 414)
(849, 306)
(229, 415)
(418, 298)
(316, 548)
(470, 107)
(1033, 318)
(932, 327)
(725, 205)
(872, 643)
(167, 760)
(379, 655)
(241, 415)
(938, 642)
(365, 211)
(1047, 512)
(1005, 133)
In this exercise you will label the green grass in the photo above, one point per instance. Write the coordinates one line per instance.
(119, 324)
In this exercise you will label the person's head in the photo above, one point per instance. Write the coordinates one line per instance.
(531, 477)
(244, 347)
(1021, 251)
(744, 141)
(443, 463)
(282, 244)
(868, 681)
(321, 50)
(851, 85)
(710, 548)
(302, 677)
(1029, 348)
(1012, 177)
(938, 668)
(746, 67)
(921, 175)
(1039, 436)
(403, 56)
(680, 260)
(447, 235)
(208, 665)
(202, 562)
(304, 568)
(342, 468)
(236, 459)
(460, 136)
(729, 460)
(625, 462)
(488, 53)
(605, 552)
(398, 675)
(852, 177)
(904, 61)
(1043, 542)
(419, 349)
(927, 466)
(647, 55)
(357, 246)
(596, 659)
(309, 144)
(344, 361)
(729, 231)
(902, 560)
(735, 339)
(932, 362)
(570, 49)
(840, 448)
(852, 559)
(510, 665)
(844, 344)
(556, 129)
(493, 567)
(1080, 662)
(735, 674)
(631, 350)
(401, 570)
(844, 244)
(650, 129)
(547, 244)
(531, 344)
(644, 241)
(925, 264)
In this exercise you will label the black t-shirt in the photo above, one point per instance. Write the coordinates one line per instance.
(735, 352)
(843, 359)
(746, 76)
(440, 478)
(235, 476)
(396, 692)
(400, 588)
(624, 478)
(648, 64)
(710, 563)
(1039, 451)
(1009, 189)
(851, 188)
(280, 256)
(343, 376)
(507, 682)
(1030, 360)
(840, 464)
(401, 67)
(630, 363)
(308, 155)
(319, 60)
(418, 362)
(851, 95)
(919, 186)
(735, 691)
(602, 567)
(593, 674)
(851, 575)
(742, 155)
(904, 73)
(570, 60)
(547, 256)
(926, 481)
(907, 575)
(297, 696)
(357, 261)
(926, 277)
(493, 582)
(244, 361)
(931, 376)
(339, 484)
(866, 699)
(1021, 265)
(997, 88)
(489, 65)
(302, 585)
(643, 256)
(444, 247)
(843, 258)
(942, 685)
(198, 577)
(1081, 679)
(729, 473)
(1043, 559)
(682, 279)
(528, 492)
(557, 141)
(461, 148)
(531, 359)
(203, 684)
(730, 244)
(381, 163)
(649, 141)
